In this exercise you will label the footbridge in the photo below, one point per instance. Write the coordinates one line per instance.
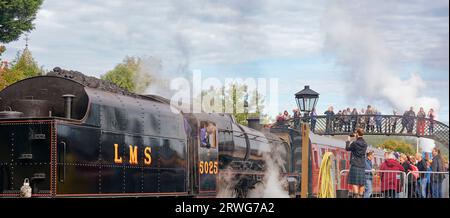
(389, 125)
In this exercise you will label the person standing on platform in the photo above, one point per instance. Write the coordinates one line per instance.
(436, 178)
(358, 150)
(369, 175)
(422, 166)
(390, 185)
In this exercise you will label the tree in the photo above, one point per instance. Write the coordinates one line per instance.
(130, 75)
(16, 17)
(399, 146)
(236, 100)
(24, 66)
(237, 97)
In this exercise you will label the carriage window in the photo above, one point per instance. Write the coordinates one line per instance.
(208, 134)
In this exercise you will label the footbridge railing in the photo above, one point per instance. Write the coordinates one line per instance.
(373, 125)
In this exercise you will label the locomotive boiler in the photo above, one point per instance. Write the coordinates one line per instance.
(77, 136)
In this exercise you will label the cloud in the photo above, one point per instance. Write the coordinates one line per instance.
(231, 31)
(369, 62)
(92, 36)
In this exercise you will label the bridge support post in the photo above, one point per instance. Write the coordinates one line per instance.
(305, 160)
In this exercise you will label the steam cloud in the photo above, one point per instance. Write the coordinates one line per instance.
(226, 184)
(272, 186)
(160, 77)
(369, 64)
(426, 144)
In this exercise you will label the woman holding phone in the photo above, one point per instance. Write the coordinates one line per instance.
(358, 147)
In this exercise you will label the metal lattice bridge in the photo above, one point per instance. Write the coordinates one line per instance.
(374, 125)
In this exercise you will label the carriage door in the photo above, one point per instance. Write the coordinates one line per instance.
(208, 160)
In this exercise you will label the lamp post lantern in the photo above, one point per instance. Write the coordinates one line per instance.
(306, 101)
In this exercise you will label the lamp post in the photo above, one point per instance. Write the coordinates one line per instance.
(306, 101)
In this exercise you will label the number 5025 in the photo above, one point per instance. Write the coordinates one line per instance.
(211, 167)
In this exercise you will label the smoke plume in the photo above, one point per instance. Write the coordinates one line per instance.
(226, 184)
(369, 64)
(426, 144)
(273, 185)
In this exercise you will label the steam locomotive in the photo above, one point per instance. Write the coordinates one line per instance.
(76, 136)
(73, 135)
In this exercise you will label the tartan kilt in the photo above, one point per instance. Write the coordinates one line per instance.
(356, 176)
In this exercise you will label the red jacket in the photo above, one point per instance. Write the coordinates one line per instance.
(391, 180)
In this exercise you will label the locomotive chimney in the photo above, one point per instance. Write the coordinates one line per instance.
(68, 99)
(254, 123)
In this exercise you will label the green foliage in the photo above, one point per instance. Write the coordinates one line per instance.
(122, 76)
(235, 100)
(398, 145)
(16, 17)
(129, 75)
(378, 139)
(24, 66)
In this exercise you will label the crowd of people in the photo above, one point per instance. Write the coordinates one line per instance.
(425, 176)
(369, 119)
(424, 181)
(285, 117)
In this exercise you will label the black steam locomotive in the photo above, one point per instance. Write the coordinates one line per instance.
(73, 135)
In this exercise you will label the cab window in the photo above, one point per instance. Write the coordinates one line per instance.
(208, 134)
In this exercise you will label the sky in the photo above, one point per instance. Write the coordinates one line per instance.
(390, 54)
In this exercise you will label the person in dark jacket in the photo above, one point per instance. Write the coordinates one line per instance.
(297, 116)
(436, 179)
(411, 122)
(378, 121)
(404, 122)
(358, 150)
(369, 175)
(405, 163)
(422, 166)
(313, 116)
(354, 119)
(330, 116)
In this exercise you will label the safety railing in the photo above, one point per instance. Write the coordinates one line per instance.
(373, 125)
(377, 183)
(426, 184)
